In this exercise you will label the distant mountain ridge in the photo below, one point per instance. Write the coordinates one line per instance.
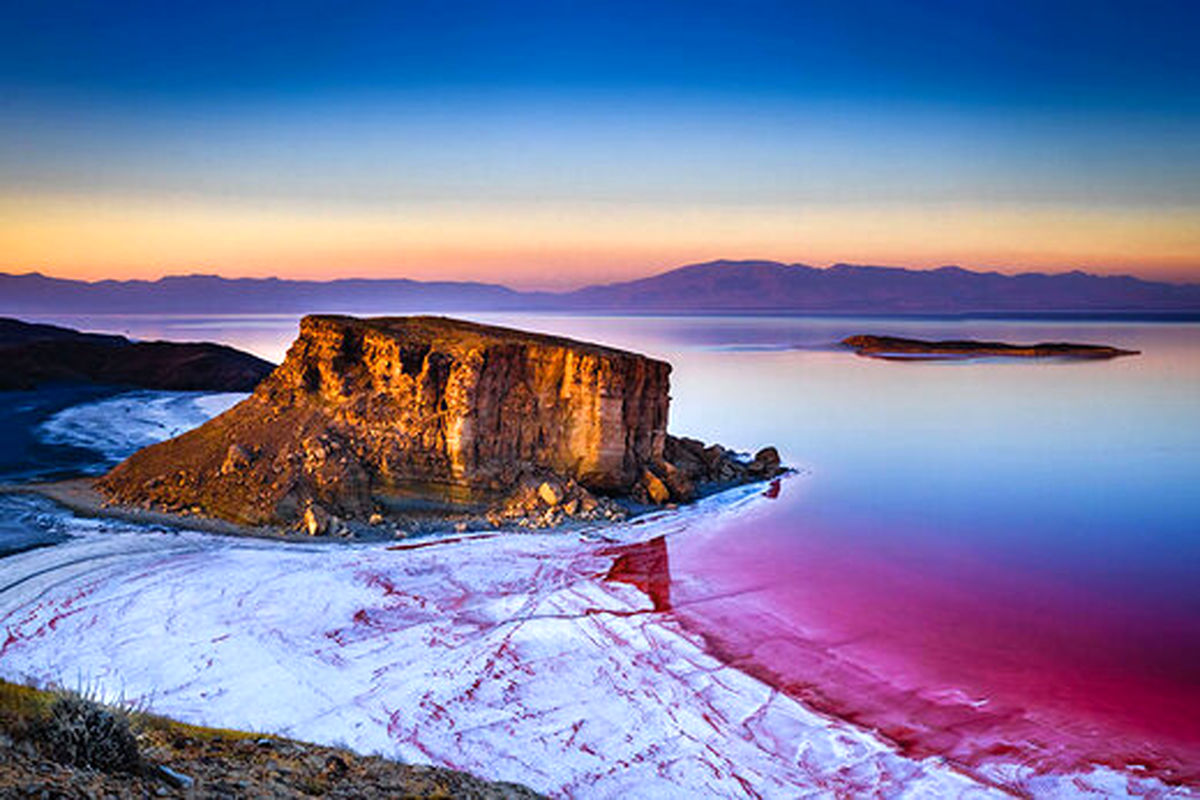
(710, 287)
(761, 286)
(37, 293)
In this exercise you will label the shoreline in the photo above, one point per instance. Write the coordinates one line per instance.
(387, 611)
(638, 561)
(79, 496)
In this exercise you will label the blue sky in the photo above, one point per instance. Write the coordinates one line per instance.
(556, 142)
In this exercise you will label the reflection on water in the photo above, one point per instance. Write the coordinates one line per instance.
(1021, 537)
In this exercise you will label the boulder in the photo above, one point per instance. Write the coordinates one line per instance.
(656, 491)
(550, 493)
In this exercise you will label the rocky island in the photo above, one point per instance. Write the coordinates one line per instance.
(35, 354)
(370, 421)
(900, 349)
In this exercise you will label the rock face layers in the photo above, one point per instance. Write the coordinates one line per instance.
(444, 400)
(363, 410)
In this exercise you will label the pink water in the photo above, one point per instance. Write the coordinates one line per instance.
(941, 656)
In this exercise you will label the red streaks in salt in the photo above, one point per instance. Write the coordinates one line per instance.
(644, 565)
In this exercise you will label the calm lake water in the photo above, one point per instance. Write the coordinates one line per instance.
(982, 559)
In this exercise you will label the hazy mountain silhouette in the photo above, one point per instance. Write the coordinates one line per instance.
(712, 287)
(722, 286)
(210, 294)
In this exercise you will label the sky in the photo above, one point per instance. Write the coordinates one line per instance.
(555, 144)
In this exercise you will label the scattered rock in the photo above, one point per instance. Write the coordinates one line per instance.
(656, 490)
(709, 467)
(236, 460)
(316, 520)
(334, 769)
(176, 779)
(766, 463)
(549, 493)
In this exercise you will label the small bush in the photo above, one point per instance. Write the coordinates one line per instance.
(85, 733)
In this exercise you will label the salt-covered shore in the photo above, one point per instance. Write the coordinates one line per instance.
(548, 659)
(509, 657)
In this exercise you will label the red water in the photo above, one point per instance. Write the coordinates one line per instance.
(945, 657)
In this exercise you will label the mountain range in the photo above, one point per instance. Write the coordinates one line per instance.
(715, 287)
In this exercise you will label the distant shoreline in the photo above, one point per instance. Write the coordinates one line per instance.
(1163, 317)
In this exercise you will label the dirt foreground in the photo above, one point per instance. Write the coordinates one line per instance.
(188, 761)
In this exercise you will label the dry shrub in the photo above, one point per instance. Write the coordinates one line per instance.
(85, 733)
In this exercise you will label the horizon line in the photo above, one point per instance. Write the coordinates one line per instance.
(36, 272)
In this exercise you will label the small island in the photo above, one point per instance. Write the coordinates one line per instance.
(395, 425)
(897, 348)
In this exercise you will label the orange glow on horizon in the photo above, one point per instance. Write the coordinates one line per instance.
(564, 247)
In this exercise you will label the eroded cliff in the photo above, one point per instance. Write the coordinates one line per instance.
(366, 415)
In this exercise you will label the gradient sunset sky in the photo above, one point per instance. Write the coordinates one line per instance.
(552, 144)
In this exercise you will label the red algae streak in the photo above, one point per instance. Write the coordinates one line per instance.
(941, 658)
(645, 566)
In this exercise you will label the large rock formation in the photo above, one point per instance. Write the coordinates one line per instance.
(370, 415)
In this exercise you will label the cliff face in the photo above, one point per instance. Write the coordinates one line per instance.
(452, 401)
(363, 409)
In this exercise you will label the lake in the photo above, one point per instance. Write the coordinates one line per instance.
(991, 560)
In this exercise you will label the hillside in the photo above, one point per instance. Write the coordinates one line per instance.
(758, 286)
(33, 355)
(710, 287)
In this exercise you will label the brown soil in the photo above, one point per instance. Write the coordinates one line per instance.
(212, 763)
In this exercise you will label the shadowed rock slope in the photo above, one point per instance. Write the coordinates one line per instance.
(366, 415)
(34, 354)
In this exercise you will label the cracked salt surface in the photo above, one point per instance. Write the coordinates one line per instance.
(510, 657)
(485, 655)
